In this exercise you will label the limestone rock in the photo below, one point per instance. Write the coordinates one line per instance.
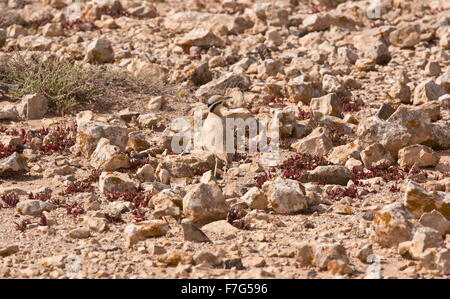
(392, 136)
(255, 199)
(15, 163)
(228, 80)
(90, 132)
(339, 155)
(135, 232)
(100, 51)
(32, 106)
(432, 69)
(427, 91)
(117, 181)
(146, 173)
(393, 225)
(364, 253)
(326, 105)
(221, 227)
(79, 233)
(324, 253)
(8, 250)
(415, 122)
(424, 238)
(318, 143)
(437, 259)
(166, 203)
(2, 37)
(137, 141)
(155, 104)
(147, 120)
(108, 157)
(208, 258)
(193, 233)
(375, 155)
(300, 90)
(285, 196)
(400, 92)
(418, 155)
(437, 221)
(188, 20)
(205, 203)
(9, 112)
(202, 38)
(406, 35)
(33, 207)
(419, 201)
(317, 22)
(333, 174)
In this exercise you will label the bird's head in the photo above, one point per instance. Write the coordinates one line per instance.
(214, 104)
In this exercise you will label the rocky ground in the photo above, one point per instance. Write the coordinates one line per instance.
(91, 188)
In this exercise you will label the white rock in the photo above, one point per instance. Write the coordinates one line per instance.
(375, 155)
(393, 225)
(255, 199)
(135, 232)
(418, 155)
(121, 182)
(13, 164)
(146, 173)
(424, 238)
(427, 91)
(326, 105)
(318, 143)
(33, 207)
(285, 196)
(205, 203)
(202, 38)
(9, 112)
(90, 132)
(419, 201)
(100, 51)
(437, 221)
(108, 157)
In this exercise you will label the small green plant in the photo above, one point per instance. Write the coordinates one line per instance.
(65, 84)
(69, 85)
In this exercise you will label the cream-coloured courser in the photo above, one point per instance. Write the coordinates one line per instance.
(213, 133)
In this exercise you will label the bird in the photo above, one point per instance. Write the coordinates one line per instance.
(213, 132)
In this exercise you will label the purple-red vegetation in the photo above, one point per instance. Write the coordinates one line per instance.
(139, 200)
(43, 220)
(340, 192)
(43, 196)
(385, 171)
(10, 199)
(350, 105)
(59, 140)
(394, 189)
(294, 167)
(85, 185)
(74, 209)
(262, 178)
(6, 151)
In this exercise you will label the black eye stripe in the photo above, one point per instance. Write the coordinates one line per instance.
(212, 106)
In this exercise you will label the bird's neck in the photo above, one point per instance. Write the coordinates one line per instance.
(217, 110)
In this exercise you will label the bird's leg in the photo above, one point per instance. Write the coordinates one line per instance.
(215, 168)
